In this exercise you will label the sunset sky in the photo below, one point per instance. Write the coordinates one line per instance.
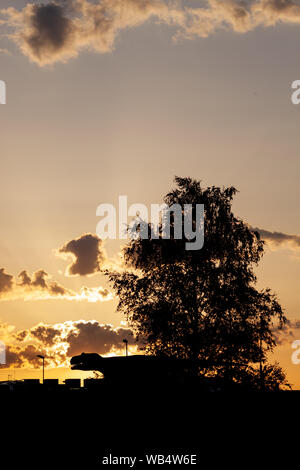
(116, 97)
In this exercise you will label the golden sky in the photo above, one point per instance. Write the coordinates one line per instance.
(116, 97)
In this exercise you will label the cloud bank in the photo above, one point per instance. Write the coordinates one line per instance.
(59, 342)
(278, 240)
(86, 253)
(286, 334)
(59, 30)
(38, 286)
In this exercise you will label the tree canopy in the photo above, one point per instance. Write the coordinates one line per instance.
(203, 304)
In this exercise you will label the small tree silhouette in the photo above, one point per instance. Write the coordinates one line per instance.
(203, 305)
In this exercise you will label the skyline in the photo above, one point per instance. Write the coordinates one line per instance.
(79, 133)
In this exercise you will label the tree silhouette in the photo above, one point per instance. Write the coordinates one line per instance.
(203, 304)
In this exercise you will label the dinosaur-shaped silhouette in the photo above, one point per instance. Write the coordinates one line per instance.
(134, 368)
(150, 370)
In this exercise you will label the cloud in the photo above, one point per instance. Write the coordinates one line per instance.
(6, 281)
(59, 342)
(38, 286)
(43, 32)
(270, 12)
(279, 239)
(87, 255)
(93, 337)
(59, 30)
(45, 334)
(286, 333)
(13, 358)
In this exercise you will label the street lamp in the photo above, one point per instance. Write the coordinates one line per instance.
(42, 357)
(126, 347)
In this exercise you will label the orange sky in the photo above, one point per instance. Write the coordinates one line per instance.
(102, 115)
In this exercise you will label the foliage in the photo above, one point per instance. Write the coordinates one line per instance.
(203, 304)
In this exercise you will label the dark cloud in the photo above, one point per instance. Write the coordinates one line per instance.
(39, 279)
(59, 342)
(24, 279)
(46, 334)
(87, 255)
(13, 358)
(286, 333)
(50, 31)
(21, 335)
(278, 238)
(39, 282)
(44, 32)
(57, 290)
(28, 355)
(38, 286)
(6, 281)
(58, 30)
(94, 337)
(276, 10)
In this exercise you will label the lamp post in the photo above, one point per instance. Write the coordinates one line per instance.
(126, 346)
(42, 357)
